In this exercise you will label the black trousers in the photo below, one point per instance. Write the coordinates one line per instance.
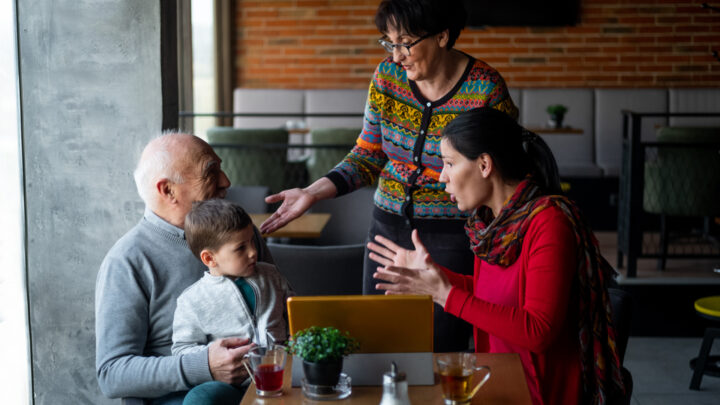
(450, 249)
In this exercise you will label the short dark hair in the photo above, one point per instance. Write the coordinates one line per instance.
(210, 223)
(420, 17)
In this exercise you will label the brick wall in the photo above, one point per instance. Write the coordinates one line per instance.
(618, 43)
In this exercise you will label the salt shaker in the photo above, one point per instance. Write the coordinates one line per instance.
(395, 388)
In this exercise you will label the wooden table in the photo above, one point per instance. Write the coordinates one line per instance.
(306, 226)
(507, 385)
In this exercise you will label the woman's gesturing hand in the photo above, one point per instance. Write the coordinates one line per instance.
(408, 271)
(388, 253)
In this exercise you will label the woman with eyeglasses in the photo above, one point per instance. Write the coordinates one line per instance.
(415, 92)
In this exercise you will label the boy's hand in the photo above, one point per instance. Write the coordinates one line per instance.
(225, 357)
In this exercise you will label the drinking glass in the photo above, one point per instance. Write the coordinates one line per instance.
(457, 372)
(266, 369)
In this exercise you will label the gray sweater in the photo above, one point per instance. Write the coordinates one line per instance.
(214, 308)
(135, 297)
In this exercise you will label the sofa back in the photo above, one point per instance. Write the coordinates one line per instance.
(596, 152)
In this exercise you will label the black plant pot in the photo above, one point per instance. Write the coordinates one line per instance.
(323, 374)
(557, 120)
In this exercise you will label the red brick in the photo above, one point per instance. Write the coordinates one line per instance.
(655, 68)
(565, 40)
(582, 49)
(673, 39)
(619, 68)
(655, 29)
(637, 40)
(706, 19)
(602, 40)
(673, 20)
(313, 3)
(673, 58)
(637, 77)
(637, 58)
(637, 20)
(529, 40)
(654, 49)
(617, 49)
(260, 13)
(709, 39)
(600, 59)
(692, 28)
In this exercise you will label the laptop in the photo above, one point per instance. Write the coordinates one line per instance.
(388, 327)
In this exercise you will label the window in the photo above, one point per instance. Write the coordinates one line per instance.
(14, 373)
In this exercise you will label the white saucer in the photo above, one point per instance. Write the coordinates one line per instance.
(322, 393)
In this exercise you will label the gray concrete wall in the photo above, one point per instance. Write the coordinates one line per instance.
(91, 98)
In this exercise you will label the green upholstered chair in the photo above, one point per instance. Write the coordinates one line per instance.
(683, 180)
(247, 160)
(324, 159)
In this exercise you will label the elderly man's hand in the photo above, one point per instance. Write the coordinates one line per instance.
(225, 357)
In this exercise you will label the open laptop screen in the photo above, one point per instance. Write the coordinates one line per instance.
(380, 323)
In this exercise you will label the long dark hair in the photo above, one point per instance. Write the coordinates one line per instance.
(515, 151)
(420, 17)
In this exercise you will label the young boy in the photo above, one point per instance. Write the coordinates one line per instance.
(237, 296)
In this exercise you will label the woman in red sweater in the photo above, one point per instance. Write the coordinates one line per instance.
(539, 287)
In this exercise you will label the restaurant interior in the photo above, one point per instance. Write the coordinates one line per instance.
(278, 88)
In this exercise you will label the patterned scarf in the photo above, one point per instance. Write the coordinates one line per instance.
(499, 241)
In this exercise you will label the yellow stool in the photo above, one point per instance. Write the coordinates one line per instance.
(704, 364)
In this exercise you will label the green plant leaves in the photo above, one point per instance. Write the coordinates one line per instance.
(322, 344)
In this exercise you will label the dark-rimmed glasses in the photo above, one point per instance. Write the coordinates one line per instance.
(404, 48)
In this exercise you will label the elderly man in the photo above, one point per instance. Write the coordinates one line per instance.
(147, 269)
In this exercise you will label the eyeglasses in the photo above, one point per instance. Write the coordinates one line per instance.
(404, 48)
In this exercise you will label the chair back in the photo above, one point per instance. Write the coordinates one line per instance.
(350, 217)
(249, 157)
(321, 270)
(250, 198)
(323, 159)
(684, 180)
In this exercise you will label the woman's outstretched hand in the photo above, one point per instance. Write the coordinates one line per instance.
(295, 202)
(408, 271)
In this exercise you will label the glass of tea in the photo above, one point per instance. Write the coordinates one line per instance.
(460, 376)
(266, 367)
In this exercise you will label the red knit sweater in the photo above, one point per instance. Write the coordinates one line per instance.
(527, 308)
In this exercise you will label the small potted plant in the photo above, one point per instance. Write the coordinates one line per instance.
(322, 351)
(557, 114)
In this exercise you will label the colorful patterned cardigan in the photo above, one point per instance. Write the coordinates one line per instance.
(400, 139)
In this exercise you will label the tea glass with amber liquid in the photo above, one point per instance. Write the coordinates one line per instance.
(458, 374)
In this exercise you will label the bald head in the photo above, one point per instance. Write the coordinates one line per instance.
(170, 156)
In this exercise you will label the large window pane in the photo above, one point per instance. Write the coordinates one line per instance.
(14, 370)
(203, 64)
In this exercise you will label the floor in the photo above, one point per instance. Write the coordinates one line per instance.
(660, 365)
(661, 372)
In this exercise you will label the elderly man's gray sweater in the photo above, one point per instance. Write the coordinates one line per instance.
(135, 298)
